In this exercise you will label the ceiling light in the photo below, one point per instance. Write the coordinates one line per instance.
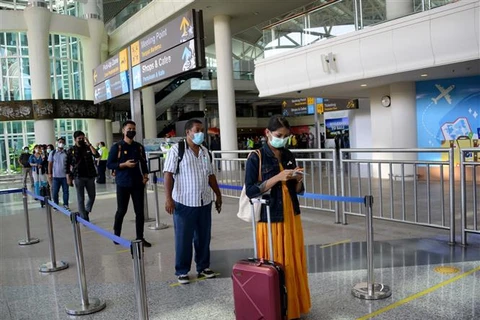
(424, 75)
(363, 85)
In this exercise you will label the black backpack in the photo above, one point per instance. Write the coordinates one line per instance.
(181, 151)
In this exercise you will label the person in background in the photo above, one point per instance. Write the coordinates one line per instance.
(81, 169)
(24, 161)
(189, 199)
(102, 162)
(166, 145)
(216, 146)
(36, 161)
(57, 172)
(127, 158)
(283, 180)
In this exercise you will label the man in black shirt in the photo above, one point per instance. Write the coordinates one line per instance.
(81, 169)
(26, 168)
(127, 158)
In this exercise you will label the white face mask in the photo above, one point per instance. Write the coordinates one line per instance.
(60, 145)
(48, 150)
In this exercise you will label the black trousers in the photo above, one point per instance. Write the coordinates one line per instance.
(123, 197)
(102, 167)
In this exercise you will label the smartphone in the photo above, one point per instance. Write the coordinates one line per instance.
(299, 172)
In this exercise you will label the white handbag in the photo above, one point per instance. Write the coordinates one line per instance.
(244, 205)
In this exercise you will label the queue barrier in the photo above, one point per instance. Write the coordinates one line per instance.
(365, 290)
(86, 305)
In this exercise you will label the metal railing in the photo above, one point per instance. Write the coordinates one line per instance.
(468, 193)
(408, 189)
(86, 305)
(320, 166)
(406, 181)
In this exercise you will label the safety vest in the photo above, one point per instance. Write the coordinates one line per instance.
(104, 152)
(165, 148)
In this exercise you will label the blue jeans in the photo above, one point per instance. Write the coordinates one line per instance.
(81, 184)
(57, 183)
(192, 224)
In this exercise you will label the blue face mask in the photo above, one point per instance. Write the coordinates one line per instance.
(278, 143)
(198, 138)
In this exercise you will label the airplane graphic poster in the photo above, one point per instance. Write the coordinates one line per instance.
(447, 109)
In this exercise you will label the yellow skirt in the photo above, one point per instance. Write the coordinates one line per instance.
(289, 251)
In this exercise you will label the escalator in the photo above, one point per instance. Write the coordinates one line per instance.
(186, 116)
(172, 86)
(177, 82)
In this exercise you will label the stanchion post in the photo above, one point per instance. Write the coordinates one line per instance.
(139, 278)
(335, 188)
(342, 186)
(53, 265)
(370, 290)
(27, 240)
(147, 216)
(158, 225)
(463, 197)
(86, 305)
(451, 165)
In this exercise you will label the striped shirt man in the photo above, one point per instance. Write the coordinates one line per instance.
(191, 187)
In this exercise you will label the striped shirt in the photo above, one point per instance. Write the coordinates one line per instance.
(191, 187)
(59, 159)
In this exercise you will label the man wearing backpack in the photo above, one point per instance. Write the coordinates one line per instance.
(127, 158)
(26, 168)
(81, 169)
(57, 172)
(189, 199)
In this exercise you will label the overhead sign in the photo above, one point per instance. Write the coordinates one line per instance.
(113, 66)
(111, 88)
(168, 64)
(299, 107)
(175, 32)
(329, 105)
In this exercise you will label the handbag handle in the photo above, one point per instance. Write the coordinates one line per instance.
(265, 202)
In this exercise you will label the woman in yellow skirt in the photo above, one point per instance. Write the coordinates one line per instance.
(276, 172)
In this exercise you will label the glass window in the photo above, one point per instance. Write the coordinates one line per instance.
(29, 125)
(15, 127)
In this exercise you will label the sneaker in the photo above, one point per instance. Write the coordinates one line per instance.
(146, 243)
(183, 279)
(206, 273)
(66, 207)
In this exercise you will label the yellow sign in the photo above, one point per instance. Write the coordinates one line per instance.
(310, 100)
(135, 53)
(320, 108)
(123, 57)
(184, 26)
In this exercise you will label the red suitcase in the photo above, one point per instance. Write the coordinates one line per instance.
(259, 290)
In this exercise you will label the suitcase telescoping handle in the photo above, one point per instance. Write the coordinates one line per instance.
(265, 202)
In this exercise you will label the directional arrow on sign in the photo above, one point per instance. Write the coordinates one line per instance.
(186, 54)
(184, 26)
(94, 75)
(284, 104)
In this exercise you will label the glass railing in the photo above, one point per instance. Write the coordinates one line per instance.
(69, 7)
(334, 18)
(211, 73)
(125, 14)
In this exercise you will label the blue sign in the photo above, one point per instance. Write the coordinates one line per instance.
(447, 109)
(111, 88)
